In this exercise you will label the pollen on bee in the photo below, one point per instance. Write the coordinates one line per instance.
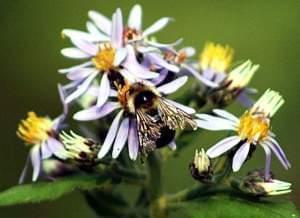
(34, 129)
(104, 59)
(253, 127)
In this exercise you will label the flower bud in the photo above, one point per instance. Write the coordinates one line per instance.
(80, 150)
(254, 184)
(200, 168)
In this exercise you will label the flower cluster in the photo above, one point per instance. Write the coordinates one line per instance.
(122, 84)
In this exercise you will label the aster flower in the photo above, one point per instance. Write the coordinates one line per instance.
(145, 118)
(132, 31)
(252, 128)
(234, 86)
(40, 134)
(109, 59)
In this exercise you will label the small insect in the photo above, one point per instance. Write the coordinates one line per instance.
(157, 119)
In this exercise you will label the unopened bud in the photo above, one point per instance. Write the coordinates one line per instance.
(80, 150)
(200, 168)
(254, 184)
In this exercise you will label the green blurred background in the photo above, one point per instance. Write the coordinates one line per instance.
(267, 32)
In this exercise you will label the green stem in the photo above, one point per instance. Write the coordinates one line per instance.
(158, 201)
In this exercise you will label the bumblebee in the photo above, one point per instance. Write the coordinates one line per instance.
(156, 117)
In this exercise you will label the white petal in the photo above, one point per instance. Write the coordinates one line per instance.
(96, 33)
(189, 51)
(74, 53)
(135, 17)
(121, 138)
(87, 47)
(102, 22)
(186, 109)
(240, 157)
(225, 114)
(74, 68)
(111, 135)
(117, 29)
(157, 26)
(173, 86)
(80, 74)
(121, 54)
(36, 162)
(94, 113)
(24, 171)
(81, 88)
(45, 151)
(79, 35)
(223, 146)
(104, 90)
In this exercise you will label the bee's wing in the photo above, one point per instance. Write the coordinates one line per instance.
(148, 131)
(174, 117)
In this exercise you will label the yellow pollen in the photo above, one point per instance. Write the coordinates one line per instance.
(253, 127)
(33, 130)
(104, 59)
(216, 57)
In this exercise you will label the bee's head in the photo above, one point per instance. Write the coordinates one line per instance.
(138, 96)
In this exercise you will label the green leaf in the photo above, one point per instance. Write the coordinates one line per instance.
(47, 191)
(220, 206)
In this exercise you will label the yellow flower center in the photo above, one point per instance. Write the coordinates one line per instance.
(216, 57)
(104, 59)
(34, 129)
(253, 127)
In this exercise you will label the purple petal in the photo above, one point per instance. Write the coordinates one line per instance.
(198, 76)
(157, 26)
(132, 65)
(24, 171)
(135, 17)
(133, 140)
(87, 47)
(182, 107)
(157, 60)
(117, 29)
(56, 147)
(74, 53)
(102, 22)
(94, 112)
(111, 135)
(62, 96)
(79, 74)
(223, 146)
(245, 100)
(82, 87)
(104, 90)
(96, 33)
(121, 138)
(275, 147)
(173, 86)
(268, 162)
(240, 157)
(36, 161)
(79, 35)
(162, 76)
(45, 151)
